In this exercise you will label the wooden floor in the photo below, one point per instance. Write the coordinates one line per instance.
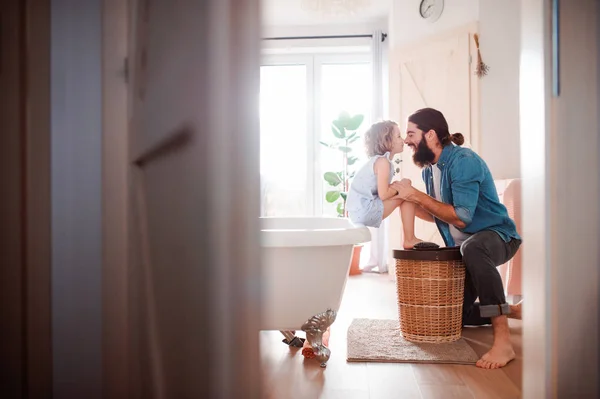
(288, 375)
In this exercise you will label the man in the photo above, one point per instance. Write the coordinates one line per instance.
(462, 200)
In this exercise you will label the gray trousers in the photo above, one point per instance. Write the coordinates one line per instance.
(482, 253)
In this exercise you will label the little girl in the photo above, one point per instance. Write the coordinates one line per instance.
(371, 197)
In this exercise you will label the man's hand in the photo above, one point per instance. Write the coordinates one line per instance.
(429, 204)
(404, 188)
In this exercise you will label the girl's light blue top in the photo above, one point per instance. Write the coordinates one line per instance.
(363, 203)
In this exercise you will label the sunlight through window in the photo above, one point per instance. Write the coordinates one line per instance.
(283, 130)
(298, 102)
(344, 87)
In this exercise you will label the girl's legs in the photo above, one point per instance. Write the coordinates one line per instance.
(389, 206)
(407, 214)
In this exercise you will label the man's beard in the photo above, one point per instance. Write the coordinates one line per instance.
(422, 155)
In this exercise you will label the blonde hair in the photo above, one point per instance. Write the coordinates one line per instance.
(378, 139)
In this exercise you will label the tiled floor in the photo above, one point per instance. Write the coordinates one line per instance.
(288, 375)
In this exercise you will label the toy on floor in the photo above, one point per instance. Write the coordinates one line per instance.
(307, 350)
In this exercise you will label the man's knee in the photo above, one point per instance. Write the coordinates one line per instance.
(474, 250)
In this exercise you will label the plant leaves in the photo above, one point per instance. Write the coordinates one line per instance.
(332, 178)
(338, 132)
(344, 196)
(355, 122)
(340, 126)
(332, 196)
(345, 149)
(340, 209)
(352, 160)
(326, 144)
(353, 139)
(344, 118)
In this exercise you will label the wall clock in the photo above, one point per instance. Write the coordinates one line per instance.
(431, 10)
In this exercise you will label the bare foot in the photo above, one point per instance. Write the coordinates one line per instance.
(515, 311)
(502, 351)
(497, 357)
(410, 243)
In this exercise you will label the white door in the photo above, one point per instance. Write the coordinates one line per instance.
(195, 173)
(437, 73)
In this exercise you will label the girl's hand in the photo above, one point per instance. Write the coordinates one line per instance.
(404, 188)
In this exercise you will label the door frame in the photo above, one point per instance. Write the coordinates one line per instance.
(39, 357)
(40, 320)
(233, 39)
(116, 372)
(560, 202)
(25, 278)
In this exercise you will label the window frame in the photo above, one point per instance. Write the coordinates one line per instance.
(313, 63)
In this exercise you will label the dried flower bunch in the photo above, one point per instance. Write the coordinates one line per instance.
(481, 69)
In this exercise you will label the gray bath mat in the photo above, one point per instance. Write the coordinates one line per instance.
(372, 340)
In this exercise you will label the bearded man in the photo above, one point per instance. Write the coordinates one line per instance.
(462, 200)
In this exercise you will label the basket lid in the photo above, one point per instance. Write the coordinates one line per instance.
(447, 253)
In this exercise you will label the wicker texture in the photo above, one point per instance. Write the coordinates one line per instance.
(430, 299)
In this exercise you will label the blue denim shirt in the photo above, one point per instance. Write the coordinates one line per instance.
(467, 183)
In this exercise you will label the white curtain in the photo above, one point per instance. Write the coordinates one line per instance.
(379, 61)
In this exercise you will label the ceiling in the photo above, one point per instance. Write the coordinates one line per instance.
(290, 12)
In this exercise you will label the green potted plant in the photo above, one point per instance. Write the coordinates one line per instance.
(345, 132)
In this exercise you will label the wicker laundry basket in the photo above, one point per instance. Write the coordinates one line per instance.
(430, 287)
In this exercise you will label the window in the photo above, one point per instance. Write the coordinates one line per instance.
(283, 140)
(299, 97)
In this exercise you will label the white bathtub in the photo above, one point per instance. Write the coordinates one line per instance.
(305, 264)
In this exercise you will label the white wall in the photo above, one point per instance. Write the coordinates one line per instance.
(500, 43)
(407, 26)
(499, 28)
(295, 13)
